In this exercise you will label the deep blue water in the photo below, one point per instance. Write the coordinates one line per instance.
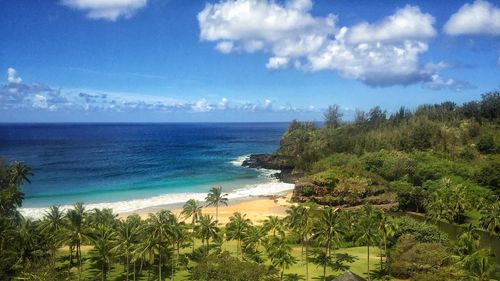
(114, 162)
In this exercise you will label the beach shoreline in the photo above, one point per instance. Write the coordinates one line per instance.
(256, 208)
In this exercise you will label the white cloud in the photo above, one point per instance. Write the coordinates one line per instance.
(106, 9)
(478, 18)
(408, 23)
(277, 62)
(40, 101)
(36, 96)
(384, 53)
(257, 25)
(437, 82)
(268, 104)
(223, 104)
(12, 76)
(225, 47)
(376, 64)
(202, 105)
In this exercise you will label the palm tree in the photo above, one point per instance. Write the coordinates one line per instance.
(275, 225)
(76, 232)
(252, 239)
(103, 240)
(236, 228)
(177, 234)
(207, 229)
(215, 197)
(387, 230)
(19, 173)
(192, 209)
(156, 230)
(25, 242)
(368, 226)
(280, 254)
(127, 235)
(299, 220)
(53, 226)
(329, 230)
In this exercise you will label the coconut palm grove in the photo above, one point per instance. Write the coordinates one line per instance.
(371, 197)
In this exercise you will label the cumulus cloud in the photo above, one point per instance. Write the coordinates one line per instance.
(106, 9)
(478, 18)
(12, 76)
(252, 25)
(408, 23)
(380, 54)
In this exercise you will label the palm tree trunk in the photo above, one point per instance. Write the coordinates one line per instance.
(192, 225)
(102, 271)
(324, 272)
(217, 213)
(173, 263)
(79, 252)
(127, 266)
(369, 279)
(307, 262)
(385, 252)
(380, 253)
(282, 271)
(134, 270)
(159, 265)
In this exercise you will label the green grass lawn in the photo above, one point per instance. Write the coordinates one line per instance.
(359, 266)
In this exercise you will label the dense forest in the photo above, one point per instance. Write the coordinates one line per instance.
(441, 161)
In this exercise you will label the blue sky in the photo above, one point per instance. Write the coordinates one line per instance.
(240, 60)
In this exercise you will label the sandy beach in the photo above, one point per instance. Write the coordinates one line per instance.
(257, 209)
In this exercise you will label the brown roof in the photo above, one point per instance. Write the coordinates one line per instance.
(349, 276)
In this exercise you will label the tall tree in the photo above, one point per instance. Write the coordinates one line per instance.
(103, 240)
(157, 234)
(328, 231)
(76, 232)
(207, 229)
(192, 209)
(236, 228)
(52, 226)
(300, 221)
(215, 197)
(127, 236)
(368, 230)
(333, 116)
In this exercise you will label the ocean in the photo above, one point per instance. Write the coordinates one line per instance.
(129, 167)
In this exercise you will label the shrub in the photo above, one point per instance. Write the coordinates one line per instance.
(411, 257)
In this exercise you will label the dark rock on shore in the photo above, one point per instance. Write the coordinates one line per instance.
(271, 162)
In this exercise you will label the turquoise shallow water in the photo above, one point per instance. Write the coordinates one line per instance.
(131, 166)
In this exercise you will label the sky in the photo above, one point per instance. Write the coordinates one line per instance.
(240, 60)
